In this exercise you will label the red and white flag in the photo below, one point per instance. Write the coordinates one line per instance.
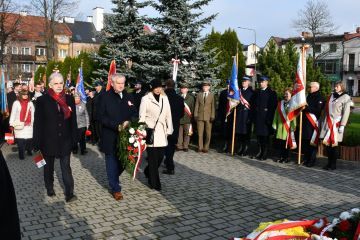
(112, 71)
(39, 160)
(298, 98)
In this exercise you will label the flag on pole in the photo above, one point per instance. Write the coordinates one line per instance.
(175, 63)
(80, 86)
(4, 108)
(233, 91)
(298, 98)
(112, 71)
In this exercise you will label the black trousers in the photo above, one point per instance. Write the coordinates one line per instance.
(98, 130)
(23, 144)
(155, 157)
(333, 154)
(309, 152)
(81, 139)
(169, 153)
(283, 151)
(66, 174)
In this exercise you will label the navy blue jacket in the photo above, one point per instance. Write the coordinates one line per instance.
(177, 110)
(316, 104)
(112, 112)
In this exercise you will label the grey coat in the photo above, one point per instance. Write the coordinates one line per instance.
(82, 116)
(340, 112)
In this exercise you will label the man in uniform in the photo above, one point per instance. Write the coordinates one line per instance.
(204, 115)
(311, 115)
(243, 116)
(263, 110)
(185, 121)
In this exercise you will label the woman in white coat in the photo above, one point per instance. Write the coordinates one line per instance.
(156, 114)
(337, 112)
(22, 120)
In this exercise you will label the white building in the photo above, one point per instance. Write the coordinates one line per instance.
(351, 73)
(250, 52)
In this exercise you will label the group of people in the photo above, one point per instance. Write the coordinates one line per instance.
(54, 121)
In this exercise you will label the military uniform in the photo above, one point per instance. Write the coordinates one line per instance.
(316, 104)
(263, 110)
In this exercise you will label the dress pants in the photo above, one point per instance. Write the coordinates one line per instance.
(169, 153)
(184, 138)
(66, 174)
(113, 170)
(309, 152)
(24, 144)
(155, 157)
(333, 154)
(98, 130)
(81, 139)
(204, 125)
(283, 151)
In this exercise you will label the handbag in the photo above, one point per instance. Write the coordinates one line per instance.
(150, 131)
(18, 125)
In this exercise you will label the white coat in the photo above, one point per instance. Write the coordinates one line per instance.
(149, 112)
(27, 131)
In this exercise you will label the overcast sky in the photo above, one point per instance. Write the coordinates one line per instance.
(268, 17)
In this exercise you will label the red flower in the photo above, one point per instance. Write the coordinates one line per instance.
(136, 150)
(129, 148)
(344, 226)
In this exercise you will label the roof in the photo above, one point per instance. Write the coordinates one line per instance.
(83, 32)
(31, 28)
(298, 40)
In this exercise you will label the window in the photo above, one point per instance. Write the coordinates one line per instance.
(62, 53)
(78, 52)
(317, 48)
(40, 52)
(358, 58)
(14, 50)
(26, 68)
(351, 62)
(26, 51)
(333, 47)
(5, 50)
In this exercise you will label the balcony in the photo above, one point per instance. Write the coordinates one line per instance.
(351, 68)
(23, 58)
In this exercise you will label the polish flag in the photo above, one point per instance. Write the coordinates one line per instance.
(39, 160)
(112, 71)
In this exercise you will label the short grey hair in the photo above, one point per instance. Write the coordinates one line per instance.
(117, 75)
(55, 75)
(315, 84)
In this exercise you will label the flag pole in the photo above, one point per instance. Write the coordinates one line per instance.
(234, 120)
(303, 62)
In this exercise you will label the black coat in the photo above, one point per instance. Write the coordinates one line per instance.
(137, 98)
(54, 135)
(11, 98)
(114, 111)
(9, 218)
(243, 114)
(263, 110)
(90, 108)
(177, 110)
(221, 111)
(316, 104)
(97, 103)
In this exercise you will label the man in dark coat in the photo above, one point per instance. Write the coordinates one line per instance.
(9, 218)
(12, 96)
(116, 110)
(311, 115)
(96, 105)
(55, 131)
(221, 116)
(177, 112)
(138, 94)
(263, 110)
(243, 116)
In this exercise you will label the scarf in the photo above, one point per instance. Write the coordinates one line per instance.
(61, 100)
(24, 108)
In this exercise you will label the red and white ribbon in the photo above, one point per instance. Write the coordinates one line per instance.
(187, 110)
(315, 124)
(290, 138)
(244, 102)
(332, 124)
(141, 148)
(175, 63)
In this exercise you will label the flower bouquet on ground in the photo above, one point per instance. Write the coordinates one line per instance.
(131, 145)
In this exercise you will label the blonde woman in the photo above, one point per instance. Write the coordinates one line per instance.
(155, 112)
(22, 120)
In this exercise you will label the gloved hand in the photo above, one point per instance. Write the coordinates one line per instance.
(212, 120)
(341, 129)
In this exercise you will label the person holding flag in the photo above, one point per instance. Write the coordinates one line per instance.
(311, 117)
(185, 130)
(284, 129)
(337, 111)
(263, 110)
(80, 89)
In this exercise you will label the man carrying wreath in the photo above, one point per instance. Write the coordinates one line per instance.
(116, 110)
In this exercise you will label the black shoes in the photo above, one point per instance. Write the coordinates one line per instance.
(51, 193)
(169, 172)
(329, 168)
(29, 153)
(83, 152)
(70, 198)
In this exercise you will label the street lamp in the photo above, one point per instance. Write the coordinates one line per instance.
(255, 50)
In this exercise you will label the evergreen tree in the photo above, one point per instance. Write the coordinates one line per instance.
(313, 74)
(178, 33)
(123, 38)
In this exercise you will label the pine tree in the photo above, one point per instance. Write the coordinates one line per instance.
(123, 38)
(178, 32)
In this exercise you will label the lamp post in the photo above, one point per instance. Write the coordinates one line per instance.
(255, 50)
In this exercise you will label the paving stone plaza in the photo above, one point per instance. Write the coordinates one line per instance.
(211, 196)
